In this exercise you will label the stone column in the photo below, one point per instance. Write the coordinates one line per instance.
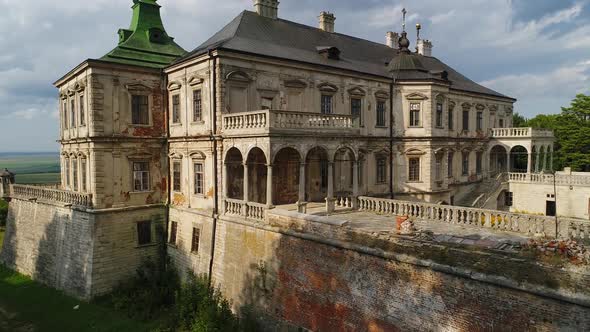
(301, 204)
(529, 164)
(545, 160)
(551, 160)
(269, 193)
(246, 189)
(355, 184)
(330, 195)
(537, 161)
(508, 168)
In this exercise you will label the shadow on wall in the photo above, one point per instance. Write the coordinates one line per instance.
(323, 288)
(52, 245)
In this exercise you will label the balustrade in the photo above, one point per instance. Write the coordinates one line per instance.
(249, 210)
(51, 195)
(519, 132)
(560, 179)
(480, 218)
(263, 121)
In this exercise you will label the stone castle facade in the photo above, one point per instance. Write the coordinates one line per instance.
(266, 114)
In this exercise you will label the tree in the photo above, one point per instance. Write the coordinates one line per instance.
(518, 120)
(572, 133)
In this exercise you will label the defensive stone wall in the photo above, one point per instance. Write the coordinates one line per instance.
(83, 252)
(52, 244)
(322, 275)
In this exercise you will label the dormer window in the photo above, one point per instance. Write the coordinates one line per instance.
(329, 52)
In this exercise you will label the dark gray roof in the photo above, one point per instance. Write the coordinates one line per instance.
(252, 33)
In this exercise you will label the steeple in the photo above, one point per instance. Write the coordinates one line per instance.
(146, 42)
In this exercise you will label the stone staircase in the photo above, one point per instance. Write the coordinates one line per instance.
(485, 191)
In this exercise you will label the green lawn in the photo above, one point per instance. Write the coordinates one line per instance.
(40, 168)
(28, 306)
(41, 178)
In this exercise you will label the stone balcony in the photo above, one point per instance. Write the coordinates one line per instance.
(265, 122)
(560, 178)
(53, 196)
(520, 133)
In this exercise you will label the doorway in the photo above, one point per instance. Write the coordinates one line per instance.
(550, 209)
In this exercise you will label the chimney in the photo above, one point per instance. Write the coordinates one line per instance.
(267, 8)
(425, 47)
(327, 21)
(392, 39)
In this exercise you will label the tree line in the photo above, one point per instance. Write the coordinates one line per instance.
(572, 133)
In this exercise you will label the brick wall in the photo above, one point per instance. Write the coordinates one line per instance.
(321, 286)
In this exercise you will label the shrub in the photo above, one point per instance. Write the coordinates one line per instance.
(3, 212)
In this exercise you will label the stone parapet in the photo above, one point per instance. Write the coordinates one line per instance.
(51, 195)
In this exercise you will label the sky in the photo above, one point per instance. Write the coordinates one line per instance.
(537, 51)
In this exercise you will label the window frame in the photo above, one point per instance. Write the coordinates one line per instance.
(465, 163)
(198, 107)
(139, 232)
(450, 159)
(329, 106)
(439, 115)
(380, 169)
(83, 174)
(137, 115)
(414, 174)
(67, 171)
(195, 244)
(145, 185)
(173, 236)
(465, 120)
(82, 111)
(451, 119)
(75, 174)
(176, 103)
(65, 114)
(202, 177)
(415, 118)
(73, 119)
(479, 121)
(176, 178)
(381, 114)
(359, 116)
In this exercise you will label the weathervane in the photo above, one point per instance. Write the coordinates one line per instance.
(404, 12)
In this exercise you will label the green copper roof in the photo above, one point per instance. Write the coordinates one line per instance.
(146, 42)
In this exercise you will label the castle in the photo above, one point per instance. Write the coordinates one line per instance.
(266, 115)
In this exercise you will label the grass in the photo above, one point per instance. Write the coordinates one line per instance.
(29, 306)
(41, 178)
(40, 168)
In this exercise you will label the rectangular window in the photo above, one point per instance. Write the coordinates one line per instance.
(74, 175)
(450, 164)
(73, 113)
(144, 232)
(501, 123)
(141, 176)
(139, 110)
(414, 115)
(451, 119)
(176, 109)
(478, 163)
(197, 106)
(173, 231)
(414, 169)
(83, 172)
(465, 120)
(479, 122)
(67, 171)
(266, 103)
(438, 168)
(199, 177)
(439, 115)
(176, 170)
(326, 104)
(82, 113)
(380, 113)
(355, 111)
(195, 240)
(65, 115)
(465, 164)
(381, 169)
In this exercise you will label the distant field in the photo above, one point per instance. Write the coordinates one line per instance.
(32, 168)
